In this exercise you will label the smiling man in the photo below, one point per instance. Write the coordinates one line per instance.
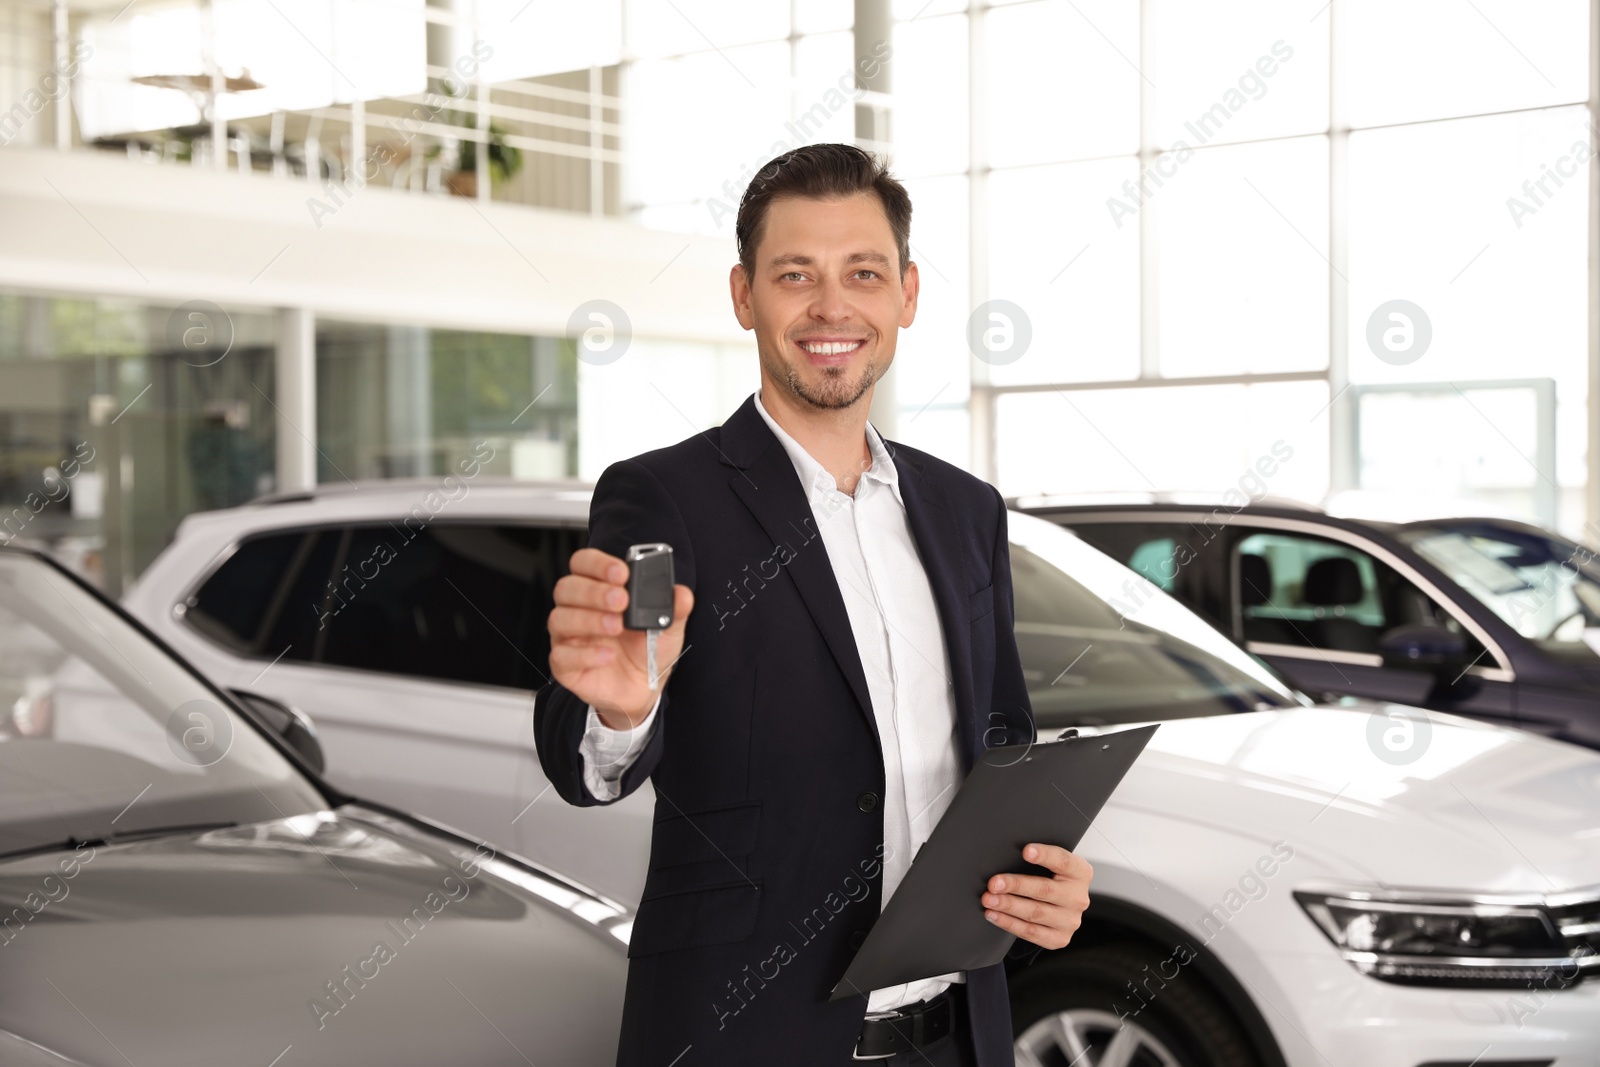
(855, 653)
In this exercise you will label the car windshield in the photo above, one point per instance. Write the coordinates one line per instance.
(105, 736)
(1101, 645)
(1546, 587)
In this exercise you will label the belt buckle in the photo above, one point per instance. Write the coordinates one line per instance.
(879, 1016)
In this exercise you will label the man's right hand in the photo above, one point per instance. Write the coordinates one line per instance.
(593, 656)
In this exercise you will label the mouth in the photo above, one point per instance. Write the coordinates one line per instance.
(830, 351)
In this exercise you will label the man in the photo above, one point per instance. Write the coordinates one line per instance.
(851, 652)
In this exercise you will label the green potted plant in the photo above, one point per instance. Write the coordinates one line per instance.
(461, 175)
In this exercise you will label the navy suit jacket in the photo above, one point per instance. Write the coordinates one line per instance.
(767, 846)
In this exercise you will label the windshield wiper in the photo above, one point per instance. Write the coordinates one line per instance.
(72, 842)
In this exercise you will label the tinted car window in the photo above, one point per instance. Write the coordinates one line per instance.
(1318, 593)
(248, 605)
(1099, 647)
(458, 602)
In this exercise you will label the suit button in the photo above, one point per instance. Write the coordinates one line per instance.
(867, 802)
(857, 939)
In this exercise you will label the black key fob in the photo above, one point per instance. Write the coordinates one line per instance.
(649, 587)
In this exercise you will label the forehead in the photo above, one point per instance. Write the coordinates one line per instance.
(843, 224)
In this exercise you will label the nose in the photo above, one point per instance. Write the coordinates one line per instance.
(830, 303)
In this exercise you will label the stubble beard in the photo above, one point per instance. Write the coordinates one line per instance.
(835, 392)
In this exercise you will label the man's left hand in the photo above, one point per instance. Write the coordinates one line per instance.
(1046, 911)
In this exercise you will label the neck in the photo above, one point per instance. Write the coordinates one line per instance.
(837, 439)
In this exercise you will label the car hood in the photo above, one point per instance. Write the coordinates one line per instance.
(1463, 806)
(348, 936)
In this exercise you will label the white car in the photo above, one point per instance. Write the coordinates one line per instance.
(1276, 882)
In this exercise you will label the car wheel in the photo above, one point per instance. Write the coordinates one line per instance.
(1077, 1008)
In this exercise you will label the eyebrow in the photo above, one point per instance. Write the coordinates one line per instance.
(798, 260)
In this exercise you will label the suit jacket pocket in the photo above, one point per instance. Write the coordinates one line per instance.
(707, 834)
(981, 603)
(689, 918)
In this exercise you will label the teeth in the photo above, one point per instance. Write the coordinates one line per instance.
(830, 348)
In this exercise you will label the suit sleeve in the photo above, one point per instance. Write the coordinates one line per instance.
(1010, 696)
(630, 506)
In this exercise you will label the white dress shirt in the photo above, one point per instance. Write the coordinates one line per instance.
(898, 636)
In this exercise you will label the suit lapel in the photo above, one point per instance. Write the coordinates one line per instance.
(768, 486)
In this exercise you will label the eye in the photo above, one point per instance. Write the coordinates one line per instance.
(870, 273)
(791, 274)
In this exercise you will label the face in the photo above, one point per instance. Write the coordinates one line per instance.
(826, 300)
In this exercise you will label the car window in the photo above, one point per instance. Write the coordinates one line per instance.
(1101, 646)
(257, 603)
(103, 734)
(1547, 588)
(464, 602)
(1313, 592)
(1156, 559)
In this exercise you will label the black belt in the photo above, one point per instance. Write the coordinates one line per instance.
(914, 1026)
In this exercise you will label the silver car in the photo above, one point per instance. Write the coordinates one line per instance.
(179, 887)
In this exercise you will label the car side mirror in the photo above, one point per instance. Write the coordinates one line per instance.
(1422, 646)
(289, 723)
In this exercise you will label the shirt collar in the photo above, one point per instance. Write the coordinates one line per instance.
(814, 477)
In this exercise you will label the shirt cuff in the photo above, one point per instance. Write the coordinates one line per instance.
(608, 753)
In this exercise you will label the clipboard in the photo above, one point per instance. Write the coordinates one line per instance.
(1014, 794)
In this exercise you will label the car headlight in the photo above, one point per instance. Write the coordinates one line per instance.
(1470, 943)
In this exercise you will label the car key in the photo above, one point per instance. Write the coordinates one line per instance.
(650, 596)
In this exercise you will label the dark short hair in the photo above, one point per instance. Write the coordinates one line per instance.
(821, 172)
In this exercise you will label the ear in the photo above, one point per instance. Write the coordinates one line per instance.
(739, 289)
(910, 285)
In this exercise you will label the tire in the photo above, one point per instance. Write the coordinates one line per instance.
(1069, 1008)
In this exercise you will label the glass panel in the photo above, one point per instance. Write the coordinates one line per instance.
(732, 106)
(932, 365)
(532, 40)
(1435, 58)
(1243, 244)
(1059, 255)
(1239, 71)
(1479, 225)
(688, 388)
(657, 29)
(929, 77)
(1045, 63)
(1547, 588)
(395, 401)
(117, 419)
(819, 16)
(1237, 441)
(457, 602)
(824, 95)
(1452, 450)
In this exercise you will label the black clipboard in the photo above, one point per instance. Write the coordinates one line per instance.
(1014, 794)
